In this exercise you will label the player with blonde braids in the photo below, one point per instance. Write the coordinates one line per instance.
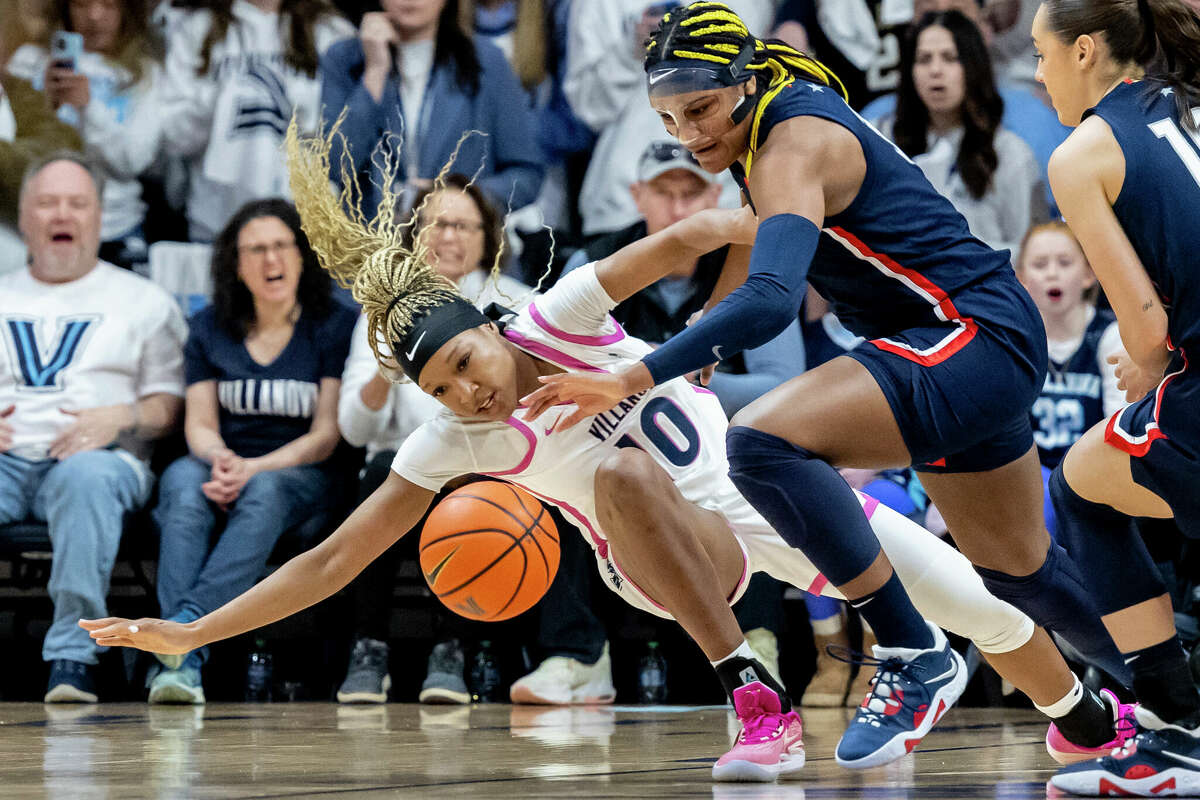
(391, 279)
(954, 358)
(647, 486)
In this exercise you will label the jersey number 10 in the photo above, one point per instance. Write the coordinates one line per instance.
(1174, 134)
(661, 438)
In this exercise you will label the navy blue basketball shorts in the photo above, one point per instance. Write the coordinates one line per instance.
(1161, 434)
(961, 392)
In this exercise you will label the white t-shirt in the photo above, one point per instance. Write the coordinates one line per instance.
(1012, 202)
(108, 338)
(120, 125)
(229, 122)
(680, 425)
(406, 407)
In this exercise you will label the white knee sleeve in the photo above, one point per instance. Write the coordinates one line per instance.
(944, 587)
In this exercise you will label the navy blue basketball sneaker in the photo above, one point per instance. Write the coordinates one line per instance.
(910, 692)
(1161, 761)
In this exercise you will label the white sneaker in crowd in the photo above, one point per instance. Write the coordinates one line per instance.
(561, 681)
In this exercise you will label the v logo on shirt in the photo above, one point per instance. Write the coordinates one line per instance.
(38, 374)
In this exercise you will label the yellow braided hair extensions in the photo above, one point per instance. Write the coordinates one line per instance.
(711, 32)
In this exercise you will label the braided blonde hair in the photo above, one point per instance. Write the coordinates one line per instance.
(392, 280)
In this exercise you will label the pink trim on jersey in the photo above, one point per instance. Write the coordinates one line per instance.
(734, 596)
(530, 437)
(575, 338)
(1138, 446)
(547, 352)
(702, 390)
(943, 306)
(819, 583)
(640, 590)
(869, 505)
(739, 587)
(598, 540)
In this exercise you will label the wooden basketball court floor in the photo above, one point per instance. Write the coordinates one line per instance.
(322, 750)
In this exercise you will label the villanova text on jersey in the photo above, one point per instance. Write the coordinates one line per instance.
(276, 397)
(606, 423)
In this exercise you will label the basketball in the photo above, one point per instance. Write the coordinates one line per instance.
(489, 551)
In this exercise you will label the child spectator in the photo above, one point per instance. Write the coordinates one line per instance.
(1081, 385)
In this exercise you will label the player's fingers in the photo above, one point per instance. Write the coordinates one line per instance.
(114, 641)
(538, 401)
(121, 628)
(572, 419)
(97, 624)
(707, 373)
(1114, 359)
(8, 411)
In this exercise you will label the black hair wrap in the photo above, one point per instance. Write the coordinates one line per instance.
(433, 328)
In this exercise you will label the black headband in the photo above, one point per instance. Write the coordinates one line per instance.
(680, 74)
(433, 328)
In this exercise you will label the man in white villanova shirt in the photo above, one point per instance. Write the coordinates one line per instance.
(91, 370)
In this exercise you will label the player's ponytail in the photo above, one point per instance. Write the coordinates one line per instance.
(387, 272)
(1160, 33)
(1176, 29)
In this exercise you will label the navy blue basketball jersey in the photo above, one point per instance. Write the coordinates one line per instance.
(898, 255)
(1072, 398)
(1159, 203)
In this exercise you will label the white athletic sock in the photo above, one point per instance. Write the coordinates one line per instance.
(1063, 707)
(743, 650)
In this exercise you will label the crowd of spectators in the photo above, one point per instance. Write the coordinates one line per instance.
(126, 123)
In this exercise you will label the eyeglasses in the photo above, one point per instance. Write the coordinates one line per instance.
(259, 251)
(457, 226)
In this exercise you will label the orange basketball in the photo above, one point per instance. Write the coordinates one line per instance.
(489, 551)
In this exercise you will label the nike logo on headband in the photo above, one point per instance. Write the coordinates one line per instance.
(658, 76)
(409, 355)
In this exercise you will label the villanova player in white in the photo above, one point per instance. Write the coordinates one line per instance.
(646, 483)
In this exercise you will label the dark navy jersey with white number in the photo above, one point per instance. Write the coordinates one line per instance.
(1159, 203)
(1072, 398)
(898, 255)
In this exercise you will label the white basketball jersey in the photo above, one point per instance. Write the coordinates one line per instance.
(680, 425)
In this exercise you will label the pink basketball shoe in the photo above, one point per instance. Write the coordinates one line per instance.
(1064, 752)
(769, 745)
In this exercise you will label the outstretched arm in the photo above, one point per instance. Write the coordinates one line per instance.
(639, 264)
(810, 167)
(394, 508)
